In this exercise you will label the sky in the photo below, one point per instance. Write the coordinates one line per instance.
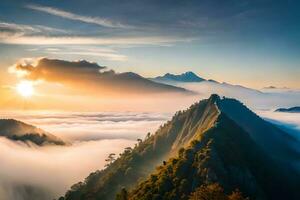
(252, 43)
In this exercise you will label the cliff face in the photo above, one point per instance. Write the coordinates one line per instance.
(213, 141)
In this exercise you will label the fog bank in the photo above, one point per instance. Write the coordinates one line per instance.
(52, 168)
(85, 126)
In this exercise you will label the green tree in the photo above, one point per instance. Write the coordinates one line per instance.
(209, 192)
(123, 195)
(110, 159)
(148, 135)
(237, 195)
(215, 192)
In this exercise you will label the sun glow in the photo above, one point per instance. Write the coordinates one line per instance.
(25, 88)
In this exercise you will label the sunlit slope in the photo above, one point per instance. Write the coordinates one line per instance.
(214, 148)
(225, 154)
(135, 164)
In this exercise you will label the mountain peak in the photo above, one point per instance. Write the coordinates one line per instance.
(189, 73)
(217, 140)
(188, 76)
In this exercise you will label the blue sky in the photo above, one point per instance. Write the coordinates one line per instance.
(254, 43)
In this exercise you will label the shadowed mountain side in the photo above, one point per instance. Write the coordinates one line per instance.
(90, 77)
(217, 149)
(134, 83)
(273, 140)
(20, 131)
(225, 154)
(290, 128)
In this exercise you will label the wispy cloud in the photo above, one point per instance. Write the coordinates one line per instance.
(102, 53)
(72, 16)
(13, 30)
(105, 54)
(13, 33)
(69, 40)
(12, 27)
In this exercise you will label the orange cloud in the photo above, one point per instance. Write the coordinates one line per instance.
(92, 78)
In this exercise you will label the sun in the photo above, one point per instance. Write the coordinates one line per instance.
(25, 88)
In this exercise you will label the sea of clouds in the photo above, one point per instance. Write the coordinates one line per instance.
(51, 170)
(289, 122)
(85, 126)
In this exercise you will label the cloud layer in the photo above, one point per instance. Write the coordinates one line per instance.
(84, 126)
(51, 170)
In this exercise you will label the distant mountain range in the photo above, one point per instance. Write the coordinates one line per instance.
(290, 110)
(273, 87)
(184, 77)
(88, 78)
(91, 77)
(20, 131)
(209, 150)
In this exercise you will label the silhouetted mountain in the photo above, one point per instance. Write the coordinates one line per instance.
(92, 77)
(208, 87)
(291, 110)
(216, 141)
(185, 77)
(212, 80)
(271, 87)
(20, 131)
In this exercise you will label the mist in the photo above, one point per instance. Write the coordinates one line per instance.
(51, 168)
(43, 173)
(254, 99)
(289, 122)
(85, 126)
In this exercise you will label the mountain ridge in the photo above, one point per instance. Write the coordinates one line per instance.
(209, 117)
(295, 109)
(188, 76)
(222, 168)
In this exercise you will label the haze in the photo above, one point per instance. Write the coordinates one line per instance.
(100, 75)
